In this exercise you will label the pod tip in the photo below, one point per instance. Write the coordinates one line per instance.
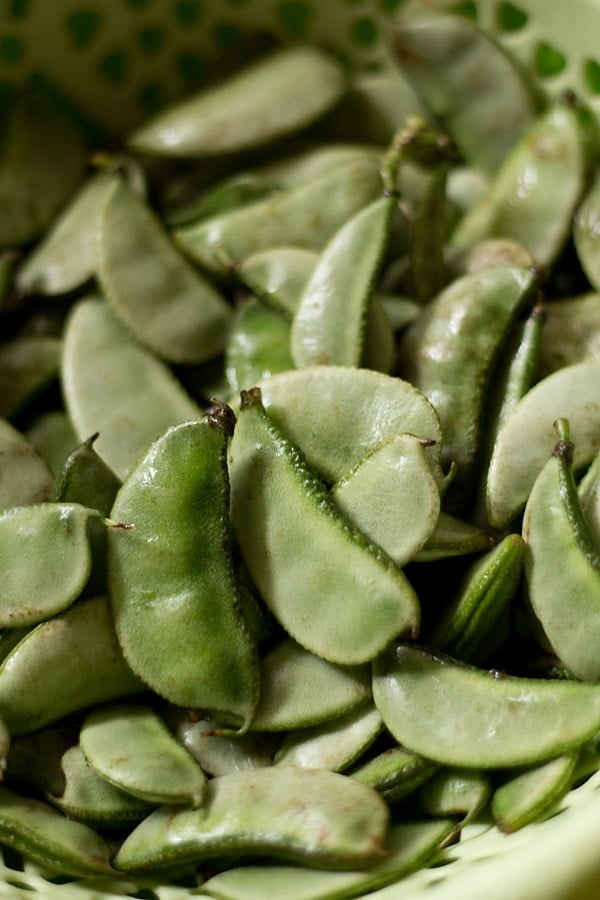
(221, 416)
(251, 397)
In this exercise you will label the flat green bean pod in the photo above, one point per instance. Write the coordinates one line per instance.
(279, 276)
(562, 564)
(535, 192)
(312, 162)
(172, 588)
(527, 438)
(449, 351)
(45, 560)
(533, 795)
(24, 476)
(258, 345)
(115, 387)
(337, 415)
(52, 840)
(232, 193)
(455, 792)
(458, 715)
(392, 497)
(304, 557)
(294, 216)
(66, 257)
(131, 747)
(89, 798)
(486, 113)
(332, 745)
(273, 97)
(43, 160)
(27, 366)
(71, 662)
(316, 817)
(222, 754)
(409, 846)
(453, 537)
(166, 304)
(330, 321)
(299, 689)
(85, 478)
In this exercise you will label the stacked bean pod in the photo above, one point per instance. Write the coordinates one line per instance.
(299, 472)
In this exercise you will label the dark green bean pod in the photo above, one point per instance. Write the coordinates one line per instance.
(172, 588)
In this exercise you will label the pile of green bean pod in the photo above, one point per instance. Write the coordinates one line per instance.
(299, 471)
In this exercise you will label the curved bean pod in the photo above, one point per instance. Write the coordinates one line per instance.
(526, 439)
(562, 565)
(66, 258)
(300, 689)
(485, 115)
(462, 716)
(392, 497)
(295, 216)
(337, 415)
(85, 478)
(115, 387)
(534, 194)
(449, 351)
(276, 95)
(172, 588)
(332, 745)
(305, 559)
(408, 847)
(258, 345)
(455, 792)
(313, 816)
(69, 663)
(131, 747)
(166, 304)
(533, 795)
(329, 323)
(55, 842)
(89, 798)
(54, 540)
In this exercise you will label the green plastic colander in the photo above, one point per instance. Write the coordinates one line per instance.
(119, 60)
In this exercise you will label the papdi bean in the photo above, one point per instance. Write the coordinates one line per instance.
(340, 477)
